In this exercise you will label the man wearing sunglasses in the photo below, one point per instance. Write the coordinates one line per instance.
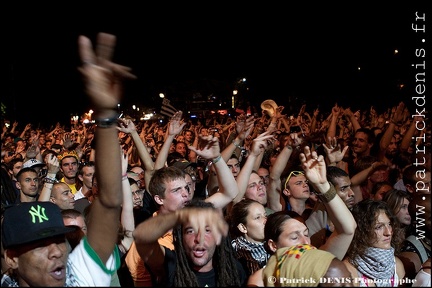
(298, 193)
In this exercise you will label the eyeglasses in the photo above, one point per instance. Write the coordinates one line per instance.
(293, 173)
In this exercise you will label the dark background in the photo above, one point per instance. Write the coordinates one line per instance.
(293, 55)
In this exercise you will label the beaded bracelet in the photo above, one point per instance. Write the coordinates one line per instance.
(50, 180)
(329, 195)
(215, 160)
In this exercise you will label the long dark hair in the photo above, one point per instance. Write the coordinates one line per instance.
(224, 263)
(366, 212)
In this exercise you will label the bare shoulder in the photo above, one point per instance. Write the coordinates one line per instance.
(400, 269)
(350, 267)
(353, 271)
(256, 279)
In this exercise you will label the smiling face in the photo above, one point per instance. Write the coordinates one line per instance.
(361, 145)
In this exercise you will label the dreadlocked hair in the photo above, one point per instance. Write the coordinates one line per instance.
(225, 267)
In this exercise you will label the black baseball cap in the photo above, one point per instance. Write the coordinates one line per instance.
(32, 221)
(182, 164)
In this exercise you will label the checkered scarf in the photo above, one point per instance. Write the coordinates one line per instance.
(254, 253)
(377, 263)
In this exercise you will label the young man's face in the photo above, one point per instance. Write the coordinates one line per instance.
(137, 196)
(87, 176)
(62, 196)
(298, 188)
(69, 167)
(234, 165)
(256, 189)
(343, 189)
(200, 255)
(176, 195)
(28, 183)
(16, 168)
(360, 143)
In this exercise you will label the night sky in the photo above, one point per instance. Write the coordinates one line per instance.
(294, 55)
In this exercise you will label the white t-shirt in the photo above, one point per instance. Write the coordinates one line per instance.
(79, 194)
(422, 279)
(87, 268)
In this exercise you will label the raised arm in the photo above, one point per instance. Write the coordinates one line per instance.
(314, 120)
(259, 144)
(331, 131)
(244, 126)
(353, 120)
(208, 148)
(388, 133)
(275, 201)
(407, 137)
(127, 126)
(127, 216)
(175, 126)
(199, 220)
(102, 83)
(53, 166)
(345, 225)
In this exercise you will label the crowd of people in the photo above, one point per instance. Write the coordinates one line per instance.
(330, 198)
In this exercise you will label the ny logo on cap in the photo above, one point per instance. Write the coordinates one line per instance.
(38, 213)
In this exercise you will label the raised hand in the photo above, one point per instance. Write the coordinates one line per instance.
(176, 124)
(208, 147)
(261, 142)
(333, 150)
(53, 164)
(126, 126)
(314, 167)
(67, 141)
(398, 113)
(240, 123)
(32, 151)
(102, 76)
(246, 126)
